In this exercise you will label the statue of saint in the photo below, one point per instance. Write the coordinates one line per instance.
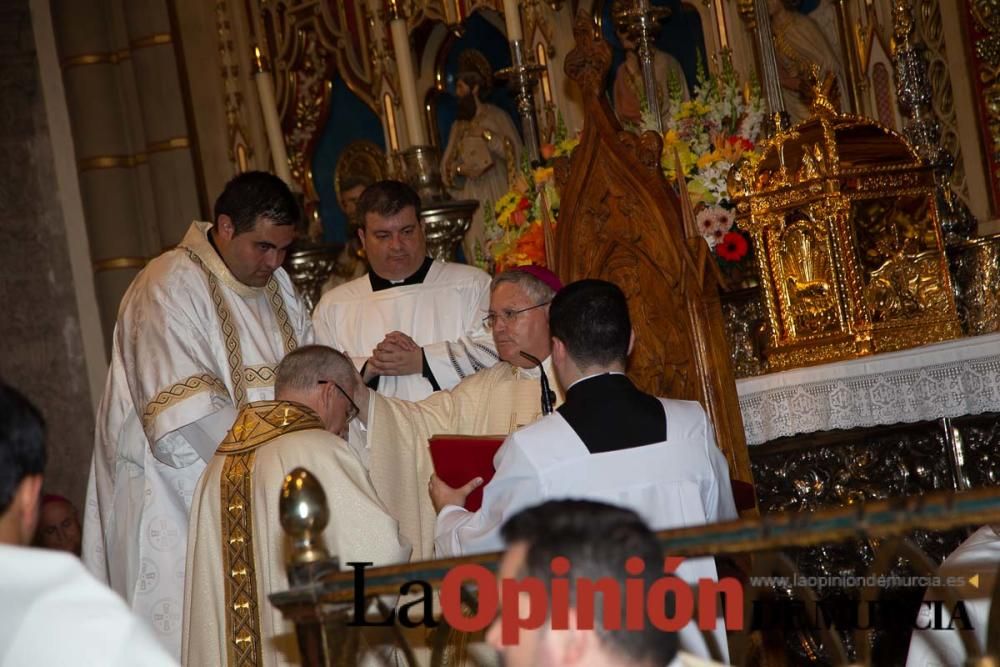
(629, 92)
(483, 148)
(799, 43)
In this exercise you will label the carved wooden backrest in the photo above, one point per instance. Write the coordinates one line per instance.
(620, 220)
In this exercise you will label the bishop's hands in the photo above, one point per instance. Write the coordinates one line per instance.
(397, 354)
(442, 494)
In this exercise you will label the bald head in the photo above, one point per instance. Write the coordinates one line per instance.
(304, 368)
(321, 379)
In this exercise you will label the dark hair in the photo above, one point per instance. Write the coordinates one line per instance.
(257, 194)
(385, 198)
(597, 539)
(22, 443)
(591, 318)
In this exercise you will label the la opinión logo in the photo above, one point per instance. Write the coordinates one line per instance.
(641, 605)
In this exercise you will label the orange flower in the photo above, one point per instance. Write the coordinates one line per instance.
(547, 151)
(532, 244)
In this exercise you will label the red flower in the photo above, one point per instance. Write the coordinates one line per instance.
(733, 247)
(740, 142)
(524, 204)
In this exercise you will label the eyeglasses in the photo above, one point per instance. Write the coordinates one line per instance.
(353, 412)
(508, 315)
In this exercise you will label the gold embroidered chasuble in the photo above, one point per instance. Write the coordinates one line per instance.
(235, 525)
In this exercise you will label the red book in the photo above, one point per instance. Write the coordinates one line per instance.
(458, 459)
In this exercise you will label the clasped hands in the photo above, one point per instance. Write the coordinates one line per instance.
(397, 354)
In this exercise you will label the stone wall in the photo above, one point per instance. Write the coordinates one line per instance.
(41, 352)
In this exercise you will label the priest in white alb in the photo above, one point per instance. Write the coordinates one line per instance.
(412, 325)
(199, 334)
(237, 503)
(494, 401)
(608, 441)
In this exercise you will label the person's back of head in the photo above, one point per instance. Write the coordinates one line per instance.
(591, 319)
(322, 379)
(597, 539)
(22, 463)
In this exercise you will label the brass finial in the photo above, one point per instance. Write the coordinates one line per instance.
(304, 514)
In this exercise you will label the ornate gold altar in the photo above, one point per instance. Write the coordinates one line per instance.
(850, 251)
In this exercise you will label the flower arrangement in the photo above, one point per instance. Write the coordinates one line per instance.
(516, 223)
(707, 135)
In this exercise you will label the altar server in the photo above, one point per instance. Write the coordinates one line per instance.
(494, 401)
(413, 325)
(52, 611)
(238, 497)
(609, 442)
(199, 334)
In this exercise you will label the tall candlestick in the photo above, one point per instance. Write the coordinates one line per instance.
(512, 17)
(407, 81)
(272, 122)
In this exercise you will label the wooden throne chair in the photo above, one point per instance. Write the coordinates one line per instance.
(621, 221)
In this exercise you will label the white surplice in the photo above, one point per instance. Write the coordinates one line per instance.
(54, 613)
(683, 481)
(191, 346)
(978, 556)
(495, 401)
(443, 314)
(273, 438)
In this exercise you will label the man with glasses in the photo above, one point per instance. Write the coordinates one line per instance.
(236, 503)
(495, 401)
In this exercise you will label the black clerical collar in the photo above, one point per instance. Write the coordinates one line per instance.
(380, 283)
(609, 413)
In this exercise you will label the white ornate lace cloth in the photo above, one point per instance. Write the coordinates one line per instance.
(950, 379)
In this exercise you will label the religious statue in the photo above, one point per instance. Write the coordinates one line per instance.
(800, 45)
(361, 164)
(629, 92)
(483, 149)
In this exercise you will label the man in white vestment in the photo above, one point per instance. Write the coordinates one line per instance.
(412, 325)
(970, 572)
(483, 149)
(52, 611)
(608, 442)
(494, 401)
(240, 492)
(597, 539)
(199, 334)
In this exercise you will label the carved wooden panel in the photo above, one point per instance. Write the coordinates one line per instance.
(620, 220)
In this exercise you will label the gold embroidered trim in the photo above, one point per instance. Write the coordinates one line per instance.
(196, 241)
(280, 314)
(259, 376)
(263, 421)
(243, 641)
(178, 392)
(234, 352)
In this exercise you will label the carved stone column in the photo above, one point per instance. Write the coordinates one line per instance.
(126, 109)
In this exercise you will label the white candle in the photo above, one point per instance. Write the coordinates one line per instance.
(407, 83)
(512, 16)
(272, 123)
